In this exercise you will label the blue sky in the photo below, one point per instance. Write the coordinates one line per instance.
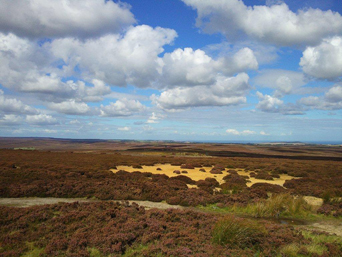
(221, 70)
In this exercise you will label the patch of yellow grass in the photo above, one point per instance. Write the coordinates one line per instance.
(168, 169)
(193, 186)
(276, 181)
(196, 174)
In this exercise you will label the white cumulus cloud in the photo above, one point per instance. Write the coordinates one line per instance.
(324, 61)
(240, 133)
(71, 107)
(190, 67)
(275, 24)
(124, 129)
(118, 60)
(14, 106)
(41, 119)
(123, 107)
(81, 18)
(226, 91)
(27, 67)
(331, 100)
(273, 104)
(11, 119)
(154, 118)
(268, 103)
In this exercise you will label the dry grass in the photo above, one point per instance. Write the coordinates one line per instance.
(277, 206)
(281, 205)
(237, 232)
(196, 174)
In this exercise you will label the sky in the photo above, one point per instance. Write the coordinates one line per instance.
(188, 70)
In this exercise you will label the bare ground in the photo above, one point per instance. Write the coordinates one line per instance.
(32, 201)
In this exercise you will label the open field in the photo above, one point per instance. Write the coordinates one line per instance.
(262, 200)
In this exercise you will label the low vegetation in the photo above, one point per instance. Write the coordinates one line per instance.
(237, 232)
(280, 205)
(113, 229)
(318, 244)
(234, 220)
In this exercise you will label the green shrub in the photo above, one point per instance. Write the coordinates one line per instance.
(237, 232)
(280, 205)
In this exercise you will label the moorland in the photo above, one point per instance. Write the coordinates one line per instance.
(130, 198)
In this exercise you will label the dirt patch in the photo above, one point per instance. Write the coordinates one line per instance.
(32, 201)
(331, 227)
(158, 205)
(314, 201)
(196, 173)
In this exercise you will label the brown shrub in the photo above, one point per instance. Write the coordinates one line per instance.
(215, 171)
(174, 200)
(263, 175)
(234, 182)
(232, 171)
(185, 179)
(187, 166)
(137, 167)
(212, 181)
(268, 187)
(219, 167)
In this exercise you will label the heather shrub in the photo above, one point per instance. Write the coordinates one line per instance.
(213, 182)
(137, 167)
(275, 175)
(187, 166)
(184, 178)
(268, 187)
(174, 200)
(264, 175)
(215, 171)
(234, 183)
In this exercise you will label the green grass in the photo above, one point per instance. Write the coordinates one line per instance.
(237, 232)
(25, 148)
(281, 205)
(135, 250)
(322, 238)
(277, 206)
(291, 250)
(297, 250)
(316, 245)
(33, 251)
